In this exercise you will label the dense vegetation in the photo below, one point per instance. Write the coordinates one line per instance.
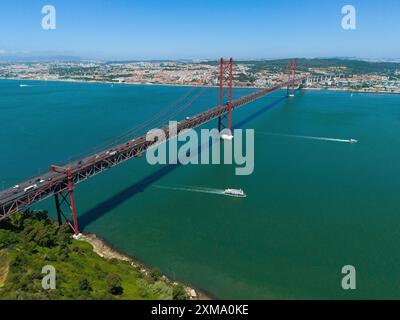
(29, 241)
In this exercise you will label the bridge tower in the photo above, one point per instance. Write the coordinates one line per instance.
(291, 77)
(225, 90)
(67, 197)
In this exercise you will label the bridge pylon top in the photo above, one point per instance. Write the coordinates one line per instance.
(225, 87)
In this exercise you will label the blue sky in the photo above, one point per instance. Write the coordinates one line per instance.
(122, 29)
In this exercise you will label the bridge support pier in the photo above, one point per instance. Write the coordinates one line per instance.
(68, 198)
(72, 202)
(225, 76)
(220, 128)
(291, 78)
(58, 209)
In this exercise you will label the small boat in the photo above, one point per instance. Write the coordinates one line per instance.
(23, 85)
(235, 193)
(353, 141)
(226, 136)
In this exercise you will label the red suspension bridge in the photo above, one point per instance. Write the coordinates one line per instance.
(59, 181)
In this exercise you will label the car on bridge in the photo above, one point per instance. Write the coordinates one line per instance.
(31, 187)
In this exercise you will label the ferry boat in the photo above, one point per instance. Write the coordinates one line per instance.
(235, 193)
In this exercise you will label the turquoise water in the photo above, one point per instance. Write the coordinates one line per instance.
(313, 206)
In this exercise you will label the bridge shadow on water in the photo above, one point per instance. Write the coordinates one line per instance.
(258, 113)
(113, 202)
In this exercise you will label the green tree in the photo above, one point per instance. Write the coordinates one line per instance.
(114, 284)
(7, 238)
(155, 274)
(84, 285)
(179, 293)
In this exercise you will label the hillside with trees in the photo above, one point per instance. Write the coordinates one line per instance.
(29, 241)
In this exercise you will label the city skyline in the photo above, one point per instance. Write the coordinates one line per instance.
(138, 30)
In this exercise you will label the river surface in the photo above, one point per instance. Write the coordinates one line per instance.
(315, 202)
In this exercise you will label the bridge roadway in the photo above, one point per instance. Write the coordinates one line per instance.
(46, 185)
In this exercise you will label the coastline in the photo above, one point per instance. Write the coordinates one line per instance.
(105, 250)
(351, 90)
(125, 83)
(191, 85)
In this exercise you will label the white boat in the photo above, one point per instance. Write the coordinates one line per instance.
(235, 193)
(353, 141)
(226, 134)
(227, 137)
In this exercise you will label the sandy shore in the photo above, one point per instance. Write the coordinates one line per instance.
(105, 251)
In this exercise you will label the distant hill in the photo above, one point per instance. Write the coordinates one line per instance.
(353, 66)
(36, 59)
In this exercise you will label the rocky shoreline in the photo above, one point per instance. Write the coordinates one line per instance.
(104, 250)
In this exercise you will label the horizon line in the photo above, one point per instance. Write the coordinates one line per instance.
(73, 58)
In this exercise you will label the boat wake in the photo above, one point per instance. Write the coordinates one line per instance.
(191, 189)
(311, 137)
